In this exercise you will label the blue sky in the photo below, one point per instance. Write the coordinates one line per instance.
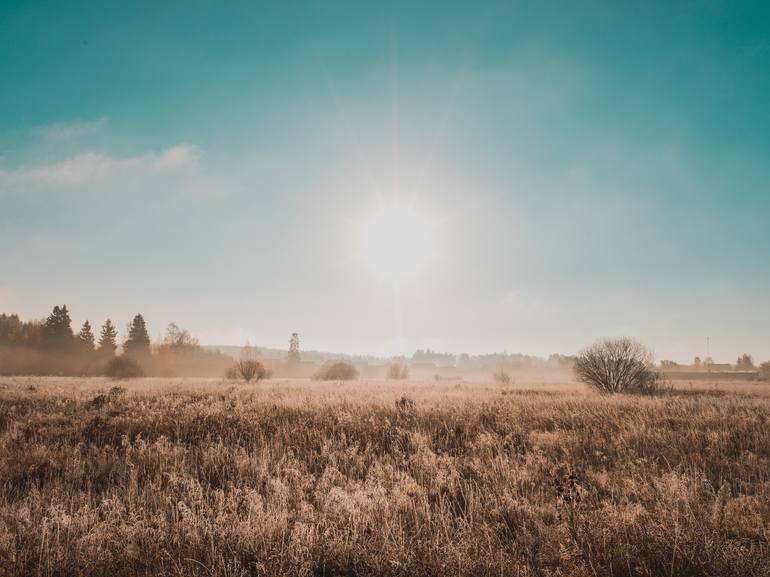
(591, 172)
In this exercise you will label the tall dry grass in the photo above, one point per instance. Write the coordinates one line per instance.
(308, 478)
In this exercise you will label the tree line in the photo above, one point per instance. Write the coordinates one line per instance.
(55, 335)
(51, 346)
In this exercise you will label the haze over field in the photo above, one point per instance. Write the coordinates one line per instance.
(406, 289)
(386, 178)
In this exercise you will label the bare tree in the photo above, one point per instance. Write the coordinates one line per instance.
(620, 365)
(179, 339)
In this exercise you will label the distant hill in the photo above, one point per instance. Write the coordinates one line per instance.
(426, 359)
(308, 356)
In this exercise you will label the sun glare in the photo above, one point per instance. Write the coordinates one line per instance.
(396, 242)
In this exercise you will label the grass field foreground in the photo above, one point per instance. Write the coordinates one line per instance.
(196, 477)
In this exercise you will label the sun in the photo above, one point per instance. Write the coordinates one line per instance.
(396, 242)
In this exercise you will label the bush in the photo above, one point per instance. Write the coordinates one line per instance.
(123, 367)
(398, 371)
(336, 371)
(115, 393)
(247, 370)
(620, 365)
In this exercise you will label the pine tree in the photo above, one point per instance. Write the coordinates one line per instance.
(138, 341)
(293, 356)
(57, 332)
(108, 338)
(86, 337)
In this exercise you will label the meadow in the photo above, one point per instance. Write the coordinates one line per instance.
(296, 477)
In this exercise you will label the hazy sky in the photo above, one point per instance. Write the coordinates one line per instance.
(589, 172)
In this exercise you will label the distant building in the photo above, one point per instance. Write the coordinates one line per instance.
(719, 367)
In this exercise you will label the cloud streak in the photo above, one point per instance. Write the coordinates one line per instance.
(91, 167)
(67, 131)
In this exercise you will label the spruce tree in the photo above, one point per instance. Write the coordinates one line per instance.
(57, 332)
(108, 338)
(293, 356)
(86, 337)
(138, 341)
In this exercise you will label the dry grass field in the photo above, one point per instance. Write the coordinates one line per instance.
(160, 477)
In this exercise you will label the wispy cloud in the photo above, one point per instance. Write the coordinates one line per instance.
(96, 166)
(71, 130)
(179, 156)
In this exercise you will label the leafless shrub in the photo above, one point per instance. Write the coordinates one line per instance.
(124, 367)
(620, 365)
(247, 370)
(336, 371)
(398, 371)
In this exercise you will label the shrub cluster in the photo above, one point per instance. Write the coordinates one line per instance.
(336, 371)
(124, 367)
